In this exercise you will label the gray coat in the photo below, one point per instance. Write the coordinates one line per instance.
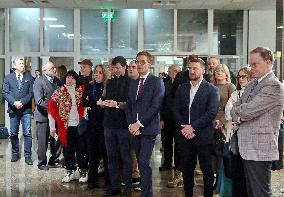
(261, 106)
(43, 89)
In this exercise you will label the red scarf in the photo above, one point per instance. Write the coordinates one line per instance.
(59, 106)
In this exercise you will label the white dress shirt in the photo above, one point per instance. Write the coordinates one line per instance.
(193, 90)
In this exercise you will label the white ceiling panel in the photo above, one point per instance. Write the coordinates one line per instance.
(140, 4)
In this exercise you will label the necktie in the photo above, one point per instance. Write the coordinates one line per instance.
(140, 86)
(251, 94)
(19, 81)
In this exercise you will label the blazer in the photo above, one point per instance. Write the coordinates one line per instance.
(261, 106)
(147, 105)
(43, 90)
(203, 110)
(12, 93)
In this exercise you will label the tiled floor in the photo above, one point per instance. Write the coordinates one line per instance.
(18, 179)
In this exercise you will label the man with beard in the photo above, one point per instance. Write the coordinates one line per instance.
(195, 107)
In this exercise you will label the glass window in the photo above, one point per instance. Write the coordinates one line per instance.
(192, 31)
(24, 29)
(158, 30)
(124, 31)
(58, 30)
(2, 31)
(228, 32)
(93, 32)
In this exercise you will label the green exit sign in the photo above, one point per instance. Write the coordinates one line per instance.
(108, 16)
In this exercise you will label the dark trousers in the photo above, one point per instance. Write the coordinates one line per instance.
(258, 178)
(144, 145)
(188, 162)
(117, 143)
(168, 131)
(238, 177)
(43, 136)
(73, 151)
(15, 120)
(96, 151)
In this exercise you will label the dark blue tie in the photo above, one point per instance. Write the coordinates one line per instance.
(19, 82)
(251, 94)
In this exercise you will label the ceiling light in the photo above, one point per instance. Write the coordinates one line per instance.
(57, 26)
(49, 19)
(280, 27)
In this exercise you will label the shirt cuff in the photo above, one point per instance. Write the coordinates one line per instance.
(138, 122)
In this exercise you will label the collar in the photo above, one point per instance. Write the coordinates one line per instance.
(197, 85)
(49, 78)
(261, 78)
(145, 76)
(21, 74)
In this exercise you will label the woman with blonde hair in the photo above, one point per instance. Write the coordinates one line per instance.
(95, 130)
(222, 80)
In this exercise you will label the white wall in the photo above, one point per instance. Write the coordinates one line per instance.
(262, 29)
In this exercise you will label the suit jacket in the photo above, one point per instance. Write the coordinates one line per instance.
(261, 106)
(147, 105)
(43, 90)
(203, 111)
(12, 93)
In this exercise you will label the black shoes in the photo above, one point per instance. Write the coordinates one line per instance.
(113, 192)
(43, 167)
(136, 181)
(54, 165)
(166, 166)
(28, 160)
(15, 158)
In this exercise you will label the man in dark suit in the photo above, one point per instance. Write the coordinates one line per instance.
(143, 106)
(43, 87)
(18, 92)
(195, 108)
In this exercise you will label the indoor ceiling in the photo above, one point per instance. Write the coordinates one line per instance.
(140, 4)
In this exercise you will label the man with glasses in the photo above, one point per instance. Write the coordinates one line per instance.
(143, 106)
(259, 112)
(44, 86)
(18, 92)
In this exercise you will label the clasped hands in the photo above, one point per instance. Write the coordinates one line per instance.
(18, 104)
(107, 103)
(187, 131)
(134, 129)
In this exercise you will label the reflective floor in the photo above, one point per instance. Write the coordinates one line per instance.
(18, 179)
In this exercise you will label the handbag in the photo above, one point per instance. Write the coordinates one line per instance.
(219, 142)
(234, 143)
(4, 134)
(228, 161)
(42, 109)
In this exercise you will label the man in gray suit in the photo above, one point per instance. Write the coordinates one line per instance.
(44, 86)
(258, 112)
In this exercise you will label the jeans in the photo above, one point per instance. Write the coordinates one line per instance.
(118, 140)
(15, 120)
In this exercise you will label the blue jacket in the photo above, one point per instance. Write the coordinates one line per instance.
(12, 93)
(147, 105)
(203, 111)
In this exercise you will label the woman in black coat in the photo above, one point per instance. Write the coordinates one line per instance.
(95, 130)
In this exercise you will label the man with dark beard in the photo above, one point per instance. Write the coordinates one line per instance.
(195, 108)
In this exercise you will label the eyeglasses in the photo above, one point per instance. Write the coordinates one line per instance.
(219, 71)
(141, 63)
(241, 76)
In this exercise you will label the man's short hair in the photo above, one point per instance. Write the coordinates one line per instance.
(18, 59)
(150, 57)
(119, 59)
(86, 62)
(265, 53)
(44, 66)
(195, 58)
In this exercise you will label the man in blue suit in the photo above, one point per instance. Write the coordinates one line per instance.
(18, 92)
(195, 108)
(143, 106)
